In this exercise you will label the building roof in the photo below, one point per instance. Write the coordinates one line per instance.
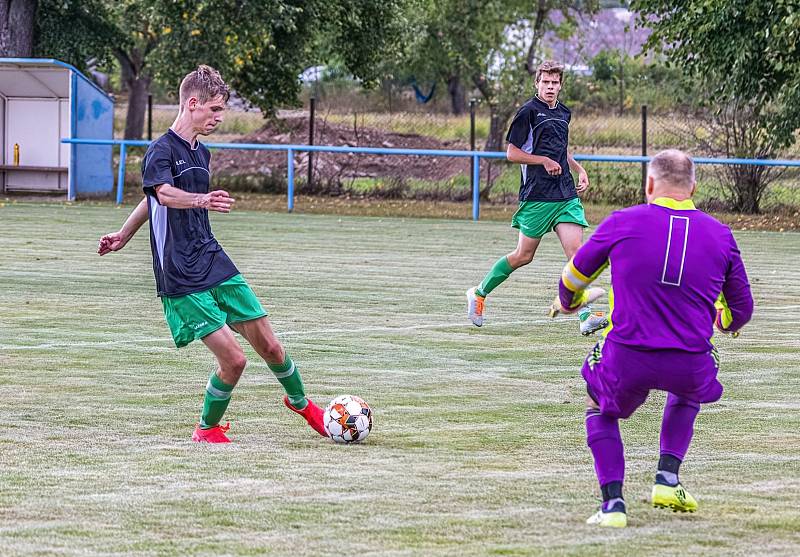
(38, 78)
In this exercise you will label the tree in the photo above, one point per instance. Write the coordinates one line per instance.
(744, 56)
(260, 47)
(16, 27)
(89, 37)
(491, 45)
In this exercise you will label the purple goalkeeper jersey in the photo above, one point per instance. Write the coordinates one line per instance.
(669, 264)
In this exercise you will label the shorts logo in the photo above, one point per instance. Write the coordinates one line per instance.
(199, 325)
(180, 162)
(595, 356)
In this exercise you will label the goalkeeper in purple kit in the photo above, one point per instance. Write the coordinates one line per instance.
(676, 273)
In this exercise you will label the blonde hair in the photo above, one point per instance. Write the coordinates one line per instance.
(550, 66)
(673, 167)
(205, 83)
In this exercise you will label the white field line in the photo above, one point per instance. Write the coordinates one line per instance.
(319, 332)
(323, 332)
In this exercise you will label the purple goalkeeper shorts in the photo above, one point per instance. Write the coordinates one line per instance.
(619, 378)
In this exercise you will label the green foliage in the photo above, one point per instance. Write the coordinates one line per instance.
(490, 45)
(75, 31)
(481, 41)
(260, 47)
(651, 83)
(746, 52)
(744, 57)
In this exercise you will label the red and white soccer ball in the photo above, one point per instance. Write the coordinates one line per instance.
(348, 419)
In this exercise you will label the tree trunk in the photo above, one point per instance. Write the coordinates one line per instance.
(16, 27)
(137, 81)
(137, 107)
(542, 13)
(458, 97)
(748, 187)
(496, 130)
(498, 120)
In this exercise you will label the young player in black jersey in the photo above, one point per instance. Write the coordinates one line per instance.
(203, 294)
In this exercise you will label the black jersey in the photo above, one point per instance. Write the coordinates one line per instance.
(186, 256)
(540, 130)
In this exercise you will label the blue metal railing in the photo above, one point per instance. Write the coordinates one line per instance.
(475, 155)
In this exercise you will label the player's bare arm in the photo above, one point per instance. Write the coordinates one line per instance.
(115, 241)
(176, 198)
(516, 155)
(583, 178)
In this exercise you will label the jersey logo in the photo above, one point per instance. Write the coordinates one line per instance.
(180, 162)
(542, 115)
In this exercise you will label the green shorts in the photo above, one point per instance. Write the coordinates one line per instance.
(536, 218)
(194, 316)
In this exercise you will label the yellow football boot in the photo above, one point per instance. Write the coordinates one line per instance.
(608, 520)
(675, 498)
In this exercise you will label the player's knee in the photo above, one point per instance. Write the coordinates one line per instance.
(520, 258)
(238, 364)
(571, 249)
(273, 351)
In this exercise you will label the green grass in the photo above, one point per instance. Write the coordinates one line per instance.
(478, 446)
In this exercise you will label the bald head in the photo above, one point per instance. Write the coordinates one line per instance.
(670, 174)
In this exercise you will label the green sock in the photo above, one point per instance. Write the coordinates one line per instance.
(218, 395)
(289, 376)
(499, 272)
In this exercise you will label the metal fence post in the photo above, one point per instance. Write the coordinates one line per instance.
(290, 180)
(311, 110)
(472, 129)
(476, 188)
(121, 173)
(644, 150)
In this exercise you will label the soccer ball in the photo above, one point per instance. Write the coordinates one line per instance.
(348, 419)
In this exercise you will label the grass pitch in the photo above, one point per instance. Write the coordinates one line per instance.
(478, 446)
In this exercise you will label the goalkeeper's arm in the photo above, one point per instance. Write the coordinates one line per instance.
(573, 289)
(735, 302)
(584, 267)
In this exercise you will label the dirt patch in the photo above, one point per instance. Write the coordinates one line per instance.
(784, 221)
(332, 168)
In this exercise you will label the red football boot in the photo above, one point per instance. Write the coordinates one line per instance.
(214, 434)
(312, 413)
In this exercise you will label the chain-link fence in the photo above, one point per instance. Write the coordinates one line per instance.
(363, 121)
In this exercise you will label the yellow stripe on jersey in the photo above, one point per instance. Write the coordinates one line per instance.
(574, 280)
(570, 281)
(580, 276)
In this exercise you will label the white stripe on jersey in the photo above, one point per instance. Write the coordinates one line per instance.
(158, 220)
(190, 168)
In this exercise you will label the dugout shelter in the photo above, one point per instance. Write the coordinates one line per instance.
(43, 101)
